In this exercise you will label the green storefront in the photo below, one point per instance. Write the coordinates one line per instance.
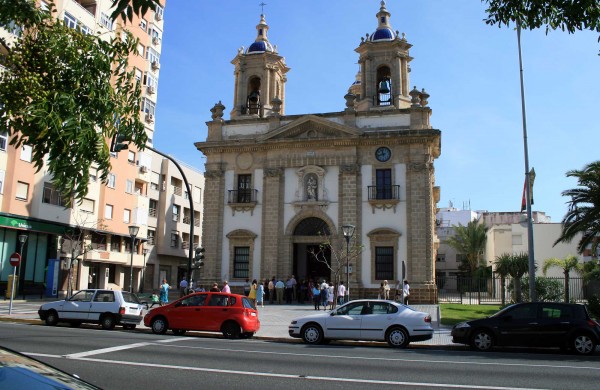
(40, 246)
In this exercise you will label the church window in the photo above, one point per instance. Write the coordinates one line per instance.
(384, 263)
(244, 189)
(383, 183)
(241, 261)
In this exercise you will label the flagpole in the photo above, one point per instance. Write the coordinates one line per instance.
(532, 292)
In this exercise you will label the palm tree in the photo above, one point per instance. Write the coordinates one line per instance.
(469, 240)
(514, 265)
(502, 264)
(568, 264)
(583, 216)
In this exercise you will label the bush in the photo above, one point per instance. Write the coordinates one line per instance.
(547, 290)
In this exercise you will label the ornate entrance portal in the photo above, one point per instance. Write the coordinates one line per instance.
(311, 260)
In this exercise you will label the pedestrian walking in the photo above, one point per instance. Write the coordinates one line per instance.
(324, 293)
(406, 292)
(316, 294)
(341, 293)
(164, 292)
(279, 286)
(183, 285)
(331, 296)
(272, 290)
(260, 294)
(380, 294)
(215, 287)
(226, 288)
(247, 287)
(252, 294)
(289, 290)
(386, 290)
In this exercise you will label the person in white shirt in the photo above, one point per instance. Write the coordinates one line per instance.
(341, 293)
(406, 292)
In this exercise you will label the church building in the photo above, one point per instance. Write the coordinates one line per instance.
(323, 196)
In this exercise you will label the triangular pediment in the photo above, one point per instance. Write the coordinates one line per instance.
(309, 127)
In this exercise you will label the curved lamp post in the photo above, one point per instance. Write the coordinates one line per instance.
(348, 231)
(133, 231)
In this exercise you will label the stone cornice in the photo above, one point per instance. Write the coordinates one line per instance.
(411, 137)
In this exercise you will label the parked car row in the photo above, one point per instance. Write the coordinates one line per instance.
(538, 324)
(230, 314)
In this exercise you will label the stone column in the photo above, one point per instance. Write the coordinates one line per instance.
(212, 224)
(420, 230)
(272, 262)
(349, 214)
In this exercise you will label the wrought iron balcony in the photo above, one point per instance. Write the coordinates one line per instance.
(242, 200)
(242, 196)
(384, 192)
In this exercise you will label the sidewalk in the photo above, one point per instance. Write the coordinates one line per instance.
(274, 319)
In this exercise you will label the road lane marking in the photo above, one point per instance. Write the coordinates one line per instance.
(119, 348)
(292, 376)
(393, 359)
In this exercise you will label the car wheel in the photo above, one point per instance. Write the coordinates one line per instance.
(247, 335)
(231, 330)
(129, 326)
(159, 325)
(178, 332)
(397, 337)
(312, 334)
(583, 344)
(108, 322)
(482, 340)
(51, 318)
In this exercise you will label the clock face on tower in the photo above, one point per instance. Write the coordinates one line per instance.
(383, 154)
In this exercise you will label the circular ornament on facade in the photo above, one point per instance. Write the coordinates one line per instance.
(383, 154)
(244, 160)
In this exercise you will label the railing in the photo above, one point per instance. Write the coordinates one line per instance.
(495, 290)
(176, 190)
(185, 244)
(186, 219)
(384, 192)
(383, 99)
(197, 221)
(152, 212)
(242, 196)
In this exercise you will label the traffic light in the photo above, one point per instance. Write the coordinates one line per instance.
(199, 257)
(118, 144)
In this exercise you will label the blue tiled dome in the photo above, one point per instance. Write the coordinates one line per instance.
(383, 34)
(259, 47)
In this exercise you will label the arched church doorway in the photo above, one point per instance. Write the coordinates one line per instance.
(312, 260)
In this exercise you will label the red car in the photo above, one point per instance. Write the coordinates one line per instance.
(231, 314)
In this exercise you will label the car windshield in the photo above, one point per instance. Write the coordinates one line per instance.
(130, 298)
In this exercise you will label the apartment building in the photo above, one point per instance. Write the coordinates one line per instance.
(90, 244)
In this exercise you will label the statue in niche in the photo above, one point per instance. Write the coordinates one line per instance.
(311, 188)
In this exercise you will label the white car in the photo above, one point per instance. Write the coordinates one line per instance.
(366, 319)
(105, 307)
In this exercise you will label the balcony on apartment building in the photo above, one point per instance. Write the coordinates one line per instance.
(384, 196)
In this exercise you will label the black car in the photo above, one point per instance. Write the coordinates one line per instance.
(539, 324)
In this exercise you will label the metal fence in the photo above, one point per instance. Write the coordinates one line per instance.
(495, 290)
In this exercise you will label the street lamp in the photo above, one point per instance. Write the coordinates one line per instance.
(348, 231)
(144, 269)
(133, 231)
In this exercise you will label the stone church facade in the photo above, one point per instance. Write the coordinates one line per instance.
(279, 186)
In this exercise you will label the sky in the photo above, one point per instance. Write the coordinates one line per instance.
(470, 69)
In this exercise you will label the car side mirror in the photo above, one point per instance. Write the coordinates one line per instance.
(332, 314)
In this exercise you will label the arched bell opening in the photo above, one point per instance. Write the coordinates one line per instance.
(384, 86)
(253, 102)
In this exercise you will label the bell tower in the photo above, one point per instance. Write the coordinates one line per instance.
(260, 76)
(383, 59)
